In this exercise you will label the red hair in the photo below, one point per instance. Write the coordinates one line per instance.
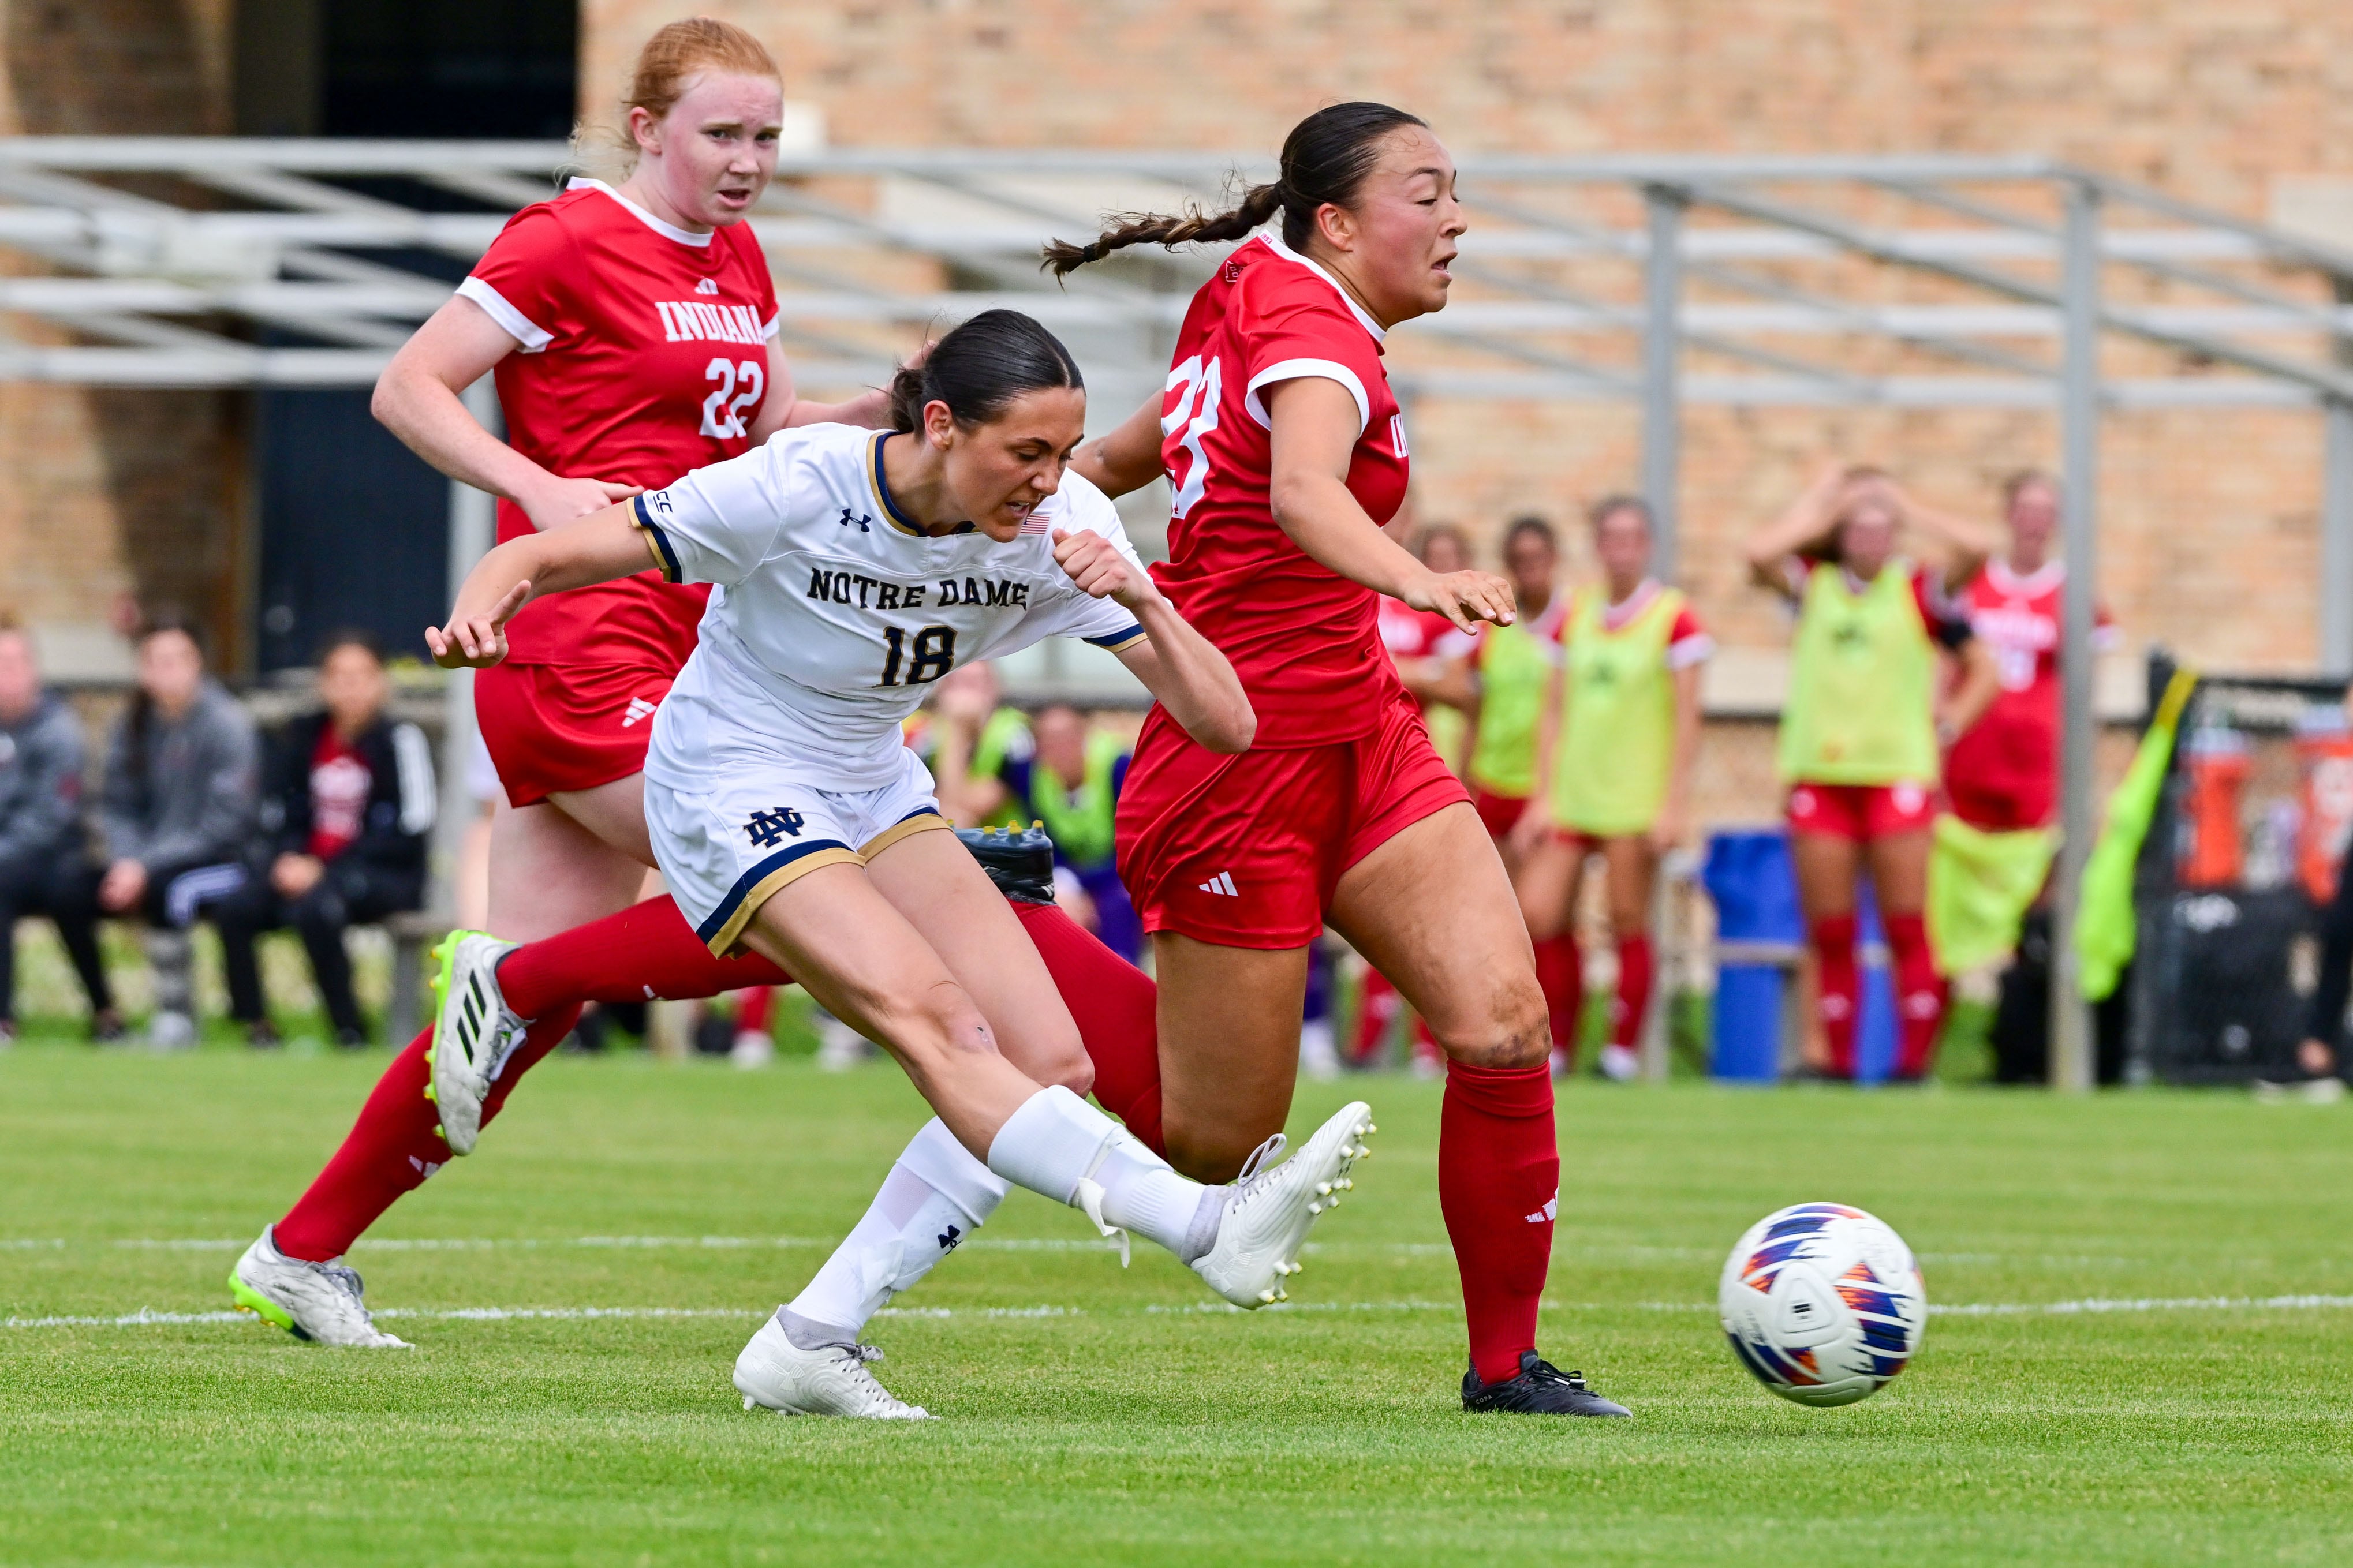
(671, 59)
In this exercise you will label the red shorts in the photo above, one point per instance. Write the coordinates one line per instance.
(1498, 814)
(2000, 804)
(557, 727)
(1861, 812)
(1244, 851)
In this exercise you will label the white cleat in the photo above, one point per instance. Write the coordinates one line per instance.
(1268, 1212)
(773, 1374)
(319, 1301)
(474, 1032)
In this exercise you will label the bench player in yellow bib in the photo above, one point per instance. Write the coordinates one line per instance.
(1618, 731)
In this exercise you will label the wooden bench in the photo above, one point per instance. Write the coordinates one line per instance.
(414, 933)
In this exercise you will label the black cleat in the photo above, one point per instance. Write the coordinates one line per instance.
(1020, 860)
(1541, 1389)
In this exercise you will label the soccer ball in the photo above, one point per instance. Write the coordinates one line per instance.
(1822, 1302)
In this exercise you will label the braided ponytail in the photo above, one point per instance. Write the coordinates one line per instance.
(1324, 159)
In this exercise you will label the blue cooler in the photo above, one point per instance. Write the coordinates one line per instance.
(1748, 875)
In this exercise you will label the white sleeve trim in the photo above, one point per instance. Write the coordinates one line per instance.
(775, 325)
(419, 797)
(511, 321)
(1295, 369)
(1697, 648)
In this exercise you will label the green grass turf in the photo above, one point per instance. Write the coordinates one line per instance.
(1123, 1423)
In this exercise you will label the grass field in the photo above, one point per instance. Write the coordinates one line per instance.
(1099, 1417)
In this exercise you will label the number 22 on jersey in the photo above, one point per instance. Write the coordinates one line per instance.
(724, 410)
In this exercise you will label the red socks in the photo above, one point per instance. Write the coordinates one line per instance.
(1560, 972)
(1498, 1187)
(755, 1005)
(1637, 970)
(1919, 994)
(1377, 1009)
(645, 951)
(1840, 987)
(1114, 1002)
(395, 1145)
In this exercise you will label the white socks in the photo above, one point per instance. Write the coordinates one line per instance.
(936, 1196)
(1057, 1145)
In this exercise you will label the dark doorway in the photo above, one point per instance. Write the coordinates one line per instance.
(353, 526)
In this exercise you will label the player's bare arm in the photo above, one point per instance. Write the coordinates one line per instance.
(785, 410)
(1128, 458)
(595, 550)
(1980, 684)
(1959, 546)
(418, 399)
(1806, 520)
(1314, 433)
(1177, 664)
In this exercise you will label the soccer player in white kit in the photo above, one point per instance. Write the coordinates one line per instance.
(852, 569)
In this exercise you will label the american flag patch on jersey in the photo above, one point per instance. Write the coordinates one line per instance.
(1037, 522)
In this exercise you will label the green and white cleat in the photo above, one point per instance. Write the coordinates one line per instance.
(317, 1301)
(1268, 1212)
(773, 1374)
(474, 1033)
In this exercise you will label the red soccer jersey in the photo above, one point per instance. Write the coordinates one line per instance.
(1304, 640)
(2014, 748)
(645, 354)
(1409, 633)
(340, 782)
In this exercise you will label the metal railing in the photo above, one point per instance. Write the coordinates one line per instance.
(1666, 281)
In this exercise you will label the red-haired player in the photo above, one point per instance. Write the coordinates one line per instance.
(1287, 452)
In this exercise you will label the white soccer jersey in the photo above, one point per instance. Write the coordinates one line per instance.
(834, 613)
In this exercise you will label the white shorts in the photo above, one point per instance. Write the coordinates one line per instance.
(726, 849)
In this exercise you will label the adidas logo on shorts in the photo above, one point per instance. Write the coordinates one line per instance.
(639, 708)
(1222, 883)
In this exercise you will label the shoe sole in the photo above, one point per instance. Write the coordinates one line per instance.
(1325, 1191)
(248, 1300)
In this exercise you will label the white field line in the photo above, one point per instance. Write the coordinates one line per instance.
(983, 1243)
(146, 1315)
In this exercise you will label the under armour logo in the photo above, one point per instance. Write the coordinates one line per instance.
(708, 286)
(767, 829)
(1223, 884)
(1547, 1215)
(949, 1237)
(859, 521)
(639, 708)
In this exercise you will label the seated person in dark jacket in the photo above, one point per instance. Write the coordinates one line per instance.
(45, 864)
(345, 819)
(176, 811)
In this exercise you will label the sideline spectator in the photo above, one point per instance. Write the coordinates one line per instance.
(1862, 728)
(344, 821)
(1427, 650)
(1514, 666)
(176, 811)
(2002, 774)
(46, 866)
(1062, 771)
(1619, 735)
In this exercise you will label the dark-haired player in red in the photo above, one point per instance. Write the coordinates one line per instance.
(1287, 453)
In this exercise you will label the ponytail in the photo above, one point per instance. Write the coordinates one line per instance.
(980, 367)
(1325, 160)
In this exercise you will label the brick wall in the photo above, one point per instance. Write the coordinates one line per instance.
(2210, 526)
(117, 497)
